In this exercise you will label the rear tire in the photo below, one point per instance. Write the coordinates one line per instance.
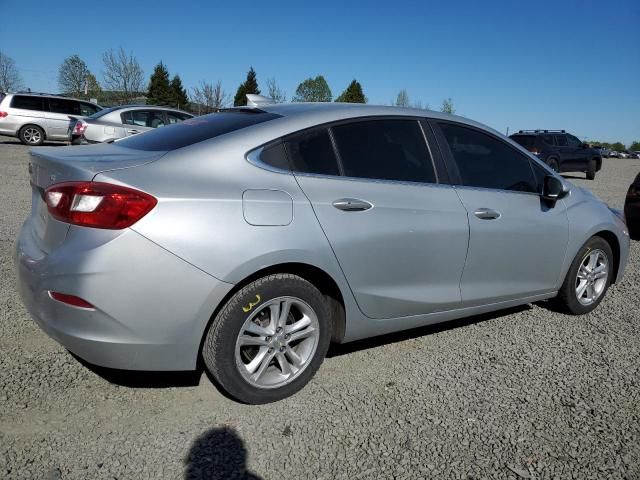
(553, 163)
(258, 355)
(588, 278)
(591, 169)
(31, 135)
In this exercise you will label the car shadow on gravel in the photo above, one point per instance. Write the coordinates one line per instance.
(144, 379)
(343, 349)
(18, 143)
(219, 453)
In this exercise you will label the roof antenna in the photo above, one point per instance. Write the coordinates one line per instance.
(257, 100)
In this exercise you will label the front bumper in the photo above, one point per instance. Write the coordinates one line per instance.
(151, 307)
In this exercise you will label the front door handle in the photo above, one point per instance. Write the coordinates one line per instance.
(486, 214)
(352, 205)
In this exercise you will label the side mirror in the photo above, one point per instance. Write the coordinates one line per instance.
(554, 189)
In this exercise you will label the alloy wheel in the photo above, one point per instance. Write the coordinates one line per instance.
(32, 135)
(277, 342)
(591, 279)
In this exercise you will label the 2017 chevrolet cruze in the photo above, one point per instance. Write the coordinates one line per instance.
(252, 238)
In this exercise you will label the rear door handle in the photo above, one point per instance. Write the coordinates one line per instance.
(352, 205)
(133, 131)
(486, 214)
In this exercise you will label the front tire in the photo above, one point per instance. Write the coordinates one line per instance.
(269, 339)
(31, 135)
(588, 278)
(591, 170)
(555, 166)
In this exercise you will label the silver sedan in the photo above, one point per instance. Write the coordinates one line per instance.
(254, 237)
(122, 121)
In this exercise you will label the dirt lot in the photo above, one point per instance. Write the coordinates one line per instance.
(526, 393)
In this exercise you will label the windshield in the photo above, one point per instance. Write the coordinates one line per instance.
(196, 130)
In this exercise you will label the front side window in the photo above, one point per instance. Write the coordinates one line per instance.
(384, 149)
(485, 161)
(573, 141)
(312, 152)
(64, 106)
(27, 102)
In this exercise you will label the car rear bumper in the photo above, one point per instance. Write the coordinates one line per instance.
(151, 307)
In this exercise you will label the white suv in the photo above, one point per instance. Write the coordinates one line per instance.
(36, 117)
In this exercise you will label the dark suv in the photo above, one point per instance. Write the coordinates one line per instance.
(561, 151)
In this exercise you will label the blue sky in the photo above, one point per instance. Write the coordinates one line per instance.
(544, 64)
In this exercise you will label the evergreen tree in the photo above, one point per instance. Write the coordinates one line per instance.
(160, 92)
(250, 85)
(313, 90)
(180, 98)
(353, 94)
(447, 106)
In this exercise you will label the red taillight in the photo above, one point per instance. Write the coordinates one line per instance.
(98, 205)
(79, 128)
(70, 300)
(534, 150)
(3, 114)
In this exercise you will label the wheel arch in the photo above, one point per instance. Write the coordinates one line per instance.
(314, 275)
(44, 130)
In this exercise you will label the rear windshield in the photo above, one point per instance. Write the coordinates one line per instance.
(525, 140)
(196, 130)
(103, 112)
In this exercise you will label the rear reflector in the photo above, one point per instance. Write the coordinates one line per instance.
(70, 300)
(97, 205)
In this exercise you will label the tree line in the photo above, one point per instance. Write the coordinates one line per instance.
(123, 81)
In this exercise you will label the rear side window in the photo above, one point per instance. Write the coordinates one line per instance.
(64, 106)
(484, 161)
(548, 139)
(527, 141)
(385, 150)
(274, 155)
(312, 152)
(573, 141)
(561, 140)
(196, 130)
(28, 103)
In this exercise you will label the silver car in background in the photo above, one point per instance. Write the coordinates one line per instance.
(254, 237)
(36, 117)
(122, 121)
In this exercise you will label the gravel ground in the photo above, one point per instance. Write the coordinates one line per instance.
(525, 393)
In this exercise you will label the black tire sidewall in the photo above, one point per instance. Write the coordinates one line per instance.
(219, 346)
(554, 165)
(591, 169)
(568, 293)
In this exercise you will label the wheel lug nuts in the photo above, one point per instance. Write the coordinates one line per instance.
(268, 339)
(286, 337)
(282, 349)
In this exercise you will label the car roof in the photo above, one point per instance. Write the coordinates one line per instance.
(49, 95)
(324, 112)
(145, 107)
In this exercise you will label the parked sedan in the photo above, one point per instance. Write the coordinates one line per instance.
(122, 121)
(632, 209)
(252, 238)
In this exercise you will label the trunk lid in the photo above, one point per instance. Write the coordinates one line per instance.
(51, 165)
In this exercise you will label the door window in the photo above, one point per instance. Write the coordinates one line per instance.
(561, 140)
(144, 118)
(28, 102)
(386, 149)
(485, 161)
(312, 152)
(548, 139)
(573, 141)
(64, 106)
